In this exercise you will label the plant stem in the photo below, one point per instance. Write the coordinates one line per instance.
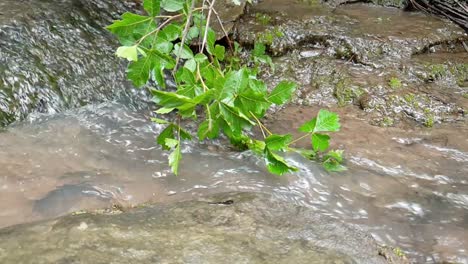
(184, 34)
(261, 125)
(207, 25)
(304, 136)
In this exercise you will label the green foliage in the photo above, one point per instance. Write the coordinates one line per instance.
(231, 96)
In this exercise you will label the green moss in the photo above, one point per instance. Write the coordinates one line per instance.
(345, 94)
(387, 122)
(409, 98)
(394, 83)
(437, 71)
(263, 19)
(268, 36)
(399, 252)
(460, 72)
(394, 3)
(429, 121)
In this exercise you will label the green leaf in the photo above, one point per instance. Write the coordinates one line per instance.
(277, 164)
(211, 40)
(167, 133)
(259, 49)
(184, 134)
(129, 53)
(335, 154)
(278, 142)
(200, 58)
(306, 153)
(163, 45)
(235, 119)
(193, 33)
(170, 99)
(175, 156)
(171, 142)
(158, 71)
(152, 7)
(191, 65)
(257, 146)
(250, 101)
(164, 110)
(159, 121)
(309, 126)
(332, 161)
(235, 82)
(258, 86)
(139, 71)
(172, 32)
(130, 25)
(219, 52)
(204, 130)
(327, 122)
(185, 52)
(282, 93)
(320, 142)
(172, 5)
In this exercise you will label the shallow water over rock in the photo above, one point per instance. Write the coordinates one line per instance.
(52, 59)
(407, 188)
(231, 228)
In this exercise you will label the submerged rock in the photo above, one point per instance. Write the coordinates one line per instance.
(224, 228)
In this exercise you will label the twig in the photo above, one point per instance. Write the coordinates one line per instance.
(184, 35)
(207, 25)
(298, 139)
(261, 125)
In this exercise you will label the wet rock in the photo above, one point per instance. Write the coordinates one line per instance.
(56, 55)
(392, 3)
(348, 32)
(71, 197)
(250, 228)
(392, 72)
(228, 12)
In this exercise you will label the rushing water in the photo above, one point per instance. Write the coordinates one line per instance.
(106, 154)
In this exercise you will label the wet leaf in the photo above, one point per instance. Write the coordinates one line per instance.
(204, 130)
(129, 53)
(167, 133)
(278, 142)
(309, 126)
(277, 164)
(129, 26)
(139, 71)
(327, 122)
(152, 7)
(172, 5)
(175, 156)
(320, 142)
(282, 93)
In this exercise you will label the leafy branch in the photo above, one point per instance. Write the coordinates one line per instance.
(210, 78)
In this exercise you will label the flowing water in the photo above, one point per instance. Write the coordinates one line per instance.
(407, 186)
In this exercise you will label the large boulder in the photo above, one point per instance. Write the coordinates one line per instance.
(224, 228)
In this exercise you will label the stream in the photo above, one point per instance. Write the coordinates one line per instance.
(77, 136)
